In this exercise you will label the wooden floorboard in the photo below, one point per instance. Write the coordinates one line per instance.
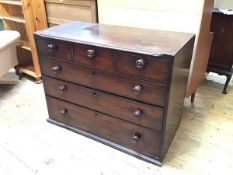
(30, 145)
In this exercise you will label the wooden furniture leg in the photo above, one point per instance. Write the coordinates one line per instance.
(38, 80)
(226, 84)
(193, 97)
(18, 73)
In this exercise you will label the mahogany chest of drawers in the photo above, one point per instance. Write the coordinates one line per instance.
(121, 86)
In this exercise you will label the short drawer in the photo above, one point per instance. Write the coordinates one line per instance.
(128, 135)
(54, 49)
(94, 57)
(131, 88)
(129, 110)
(146, 67)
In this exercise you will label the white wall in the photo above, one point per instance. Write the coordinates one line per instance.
(176, 15)
(224, 4)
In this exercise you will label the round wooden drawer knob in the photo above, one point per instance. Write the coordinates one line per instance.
(56, 69)
(137, 89)
(91, 53)
(138, 113)
(140, 63)
(52, 47)
(62, 88)
(136, 137)
(63, 112)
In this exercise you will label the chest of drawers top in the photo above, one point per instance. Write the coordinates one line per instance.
(143, 41)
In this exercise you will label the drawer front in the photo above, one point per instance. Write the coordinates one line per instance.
(54, 49)
(132, 111)
(139, 139)
(93, 57)
(146, 67)
(135, 89)
(81, 10)
(71, 2)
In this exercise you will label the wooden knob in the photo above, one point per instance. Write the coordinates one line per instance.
(136, 137)
(137, 113)
(137, 89)
(62, 88)
(63, 112)
(140, 63)
(56, 69)
(91, 53)
(52, 47)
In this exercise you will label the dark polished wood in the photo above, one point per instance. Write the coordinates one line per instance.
(132, 111)
(51, 48)
(118, 131)
(221, 55)
(106, 82)
(146, 67)
(154, 68)
(136, 40)
(124, 87)
(178, 81)
(102, 58)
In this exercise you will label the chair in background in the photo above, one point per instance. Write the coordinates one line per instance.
(8, 58)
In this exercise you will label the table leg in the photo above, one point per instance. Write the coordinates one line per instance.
(226, 84)
(193, 97)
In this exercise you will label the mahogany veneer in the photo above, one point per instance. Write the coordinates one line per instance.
(124, 87)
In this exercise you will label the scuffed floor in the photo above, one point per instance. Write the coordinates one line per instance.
(29, 145)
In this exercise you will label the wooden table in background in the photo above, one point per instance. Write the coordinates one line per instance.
(221, 55)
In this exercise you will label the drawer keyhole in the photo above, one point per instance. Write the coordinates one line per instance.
(94, 94)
